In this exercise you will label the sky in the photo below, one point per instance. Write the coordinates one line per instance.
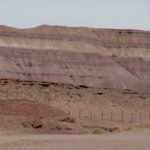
(121, 14)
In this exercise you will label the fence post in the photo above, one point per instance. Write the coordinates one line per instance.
(7, 93)
(122, 116)
(131, 116)
(140, 116)
(91, 115)
(102, 115)
(111, 116)
(149, 115)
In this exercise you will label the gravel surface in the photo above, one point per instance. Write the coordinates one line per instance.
(133, 140)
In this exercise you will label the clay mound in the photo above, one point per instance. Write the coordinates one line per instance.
(29, 108)
(24, 116)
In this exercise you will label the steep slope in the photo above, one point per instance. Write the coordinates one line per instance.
(81, 56)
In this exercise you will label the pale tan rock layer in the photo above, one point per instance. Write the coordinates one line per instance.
(131, 43)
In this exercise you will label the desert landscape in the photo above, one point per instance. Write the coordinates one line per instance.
(74, 88)
(133, 140)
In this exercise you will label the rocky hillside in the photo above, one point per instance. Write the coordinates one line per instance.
(104, 58)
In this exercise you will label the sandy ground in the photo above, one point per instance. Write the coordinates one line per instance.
(133, 140)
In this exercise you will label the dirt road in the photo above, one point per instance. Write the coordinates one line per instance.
(134, 140)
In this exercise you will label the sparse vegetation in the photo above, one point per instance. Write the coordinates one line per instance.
(132, 127)
(146, 125)
(118, 129)
(9, 133)
(98, 131)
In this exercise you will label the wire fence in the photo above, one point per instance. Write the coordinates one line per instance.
(108, 115)
(115, 116)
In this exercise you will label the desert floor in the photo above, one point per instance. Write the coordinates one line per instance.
(132, 140)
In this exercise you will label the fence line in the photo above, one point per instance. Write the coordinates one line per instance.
(121, 116)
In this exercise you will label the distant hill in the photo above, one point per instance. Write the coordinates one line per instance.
(105, 58)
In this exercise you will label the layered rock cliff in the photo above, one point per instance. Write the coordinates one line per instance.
(104, 58)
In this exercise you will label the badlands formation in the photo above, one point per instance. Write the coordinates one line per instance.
(75, 68)
(104, 58)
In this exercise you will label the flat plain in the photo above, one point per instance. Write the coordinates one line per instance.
(130, 140)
